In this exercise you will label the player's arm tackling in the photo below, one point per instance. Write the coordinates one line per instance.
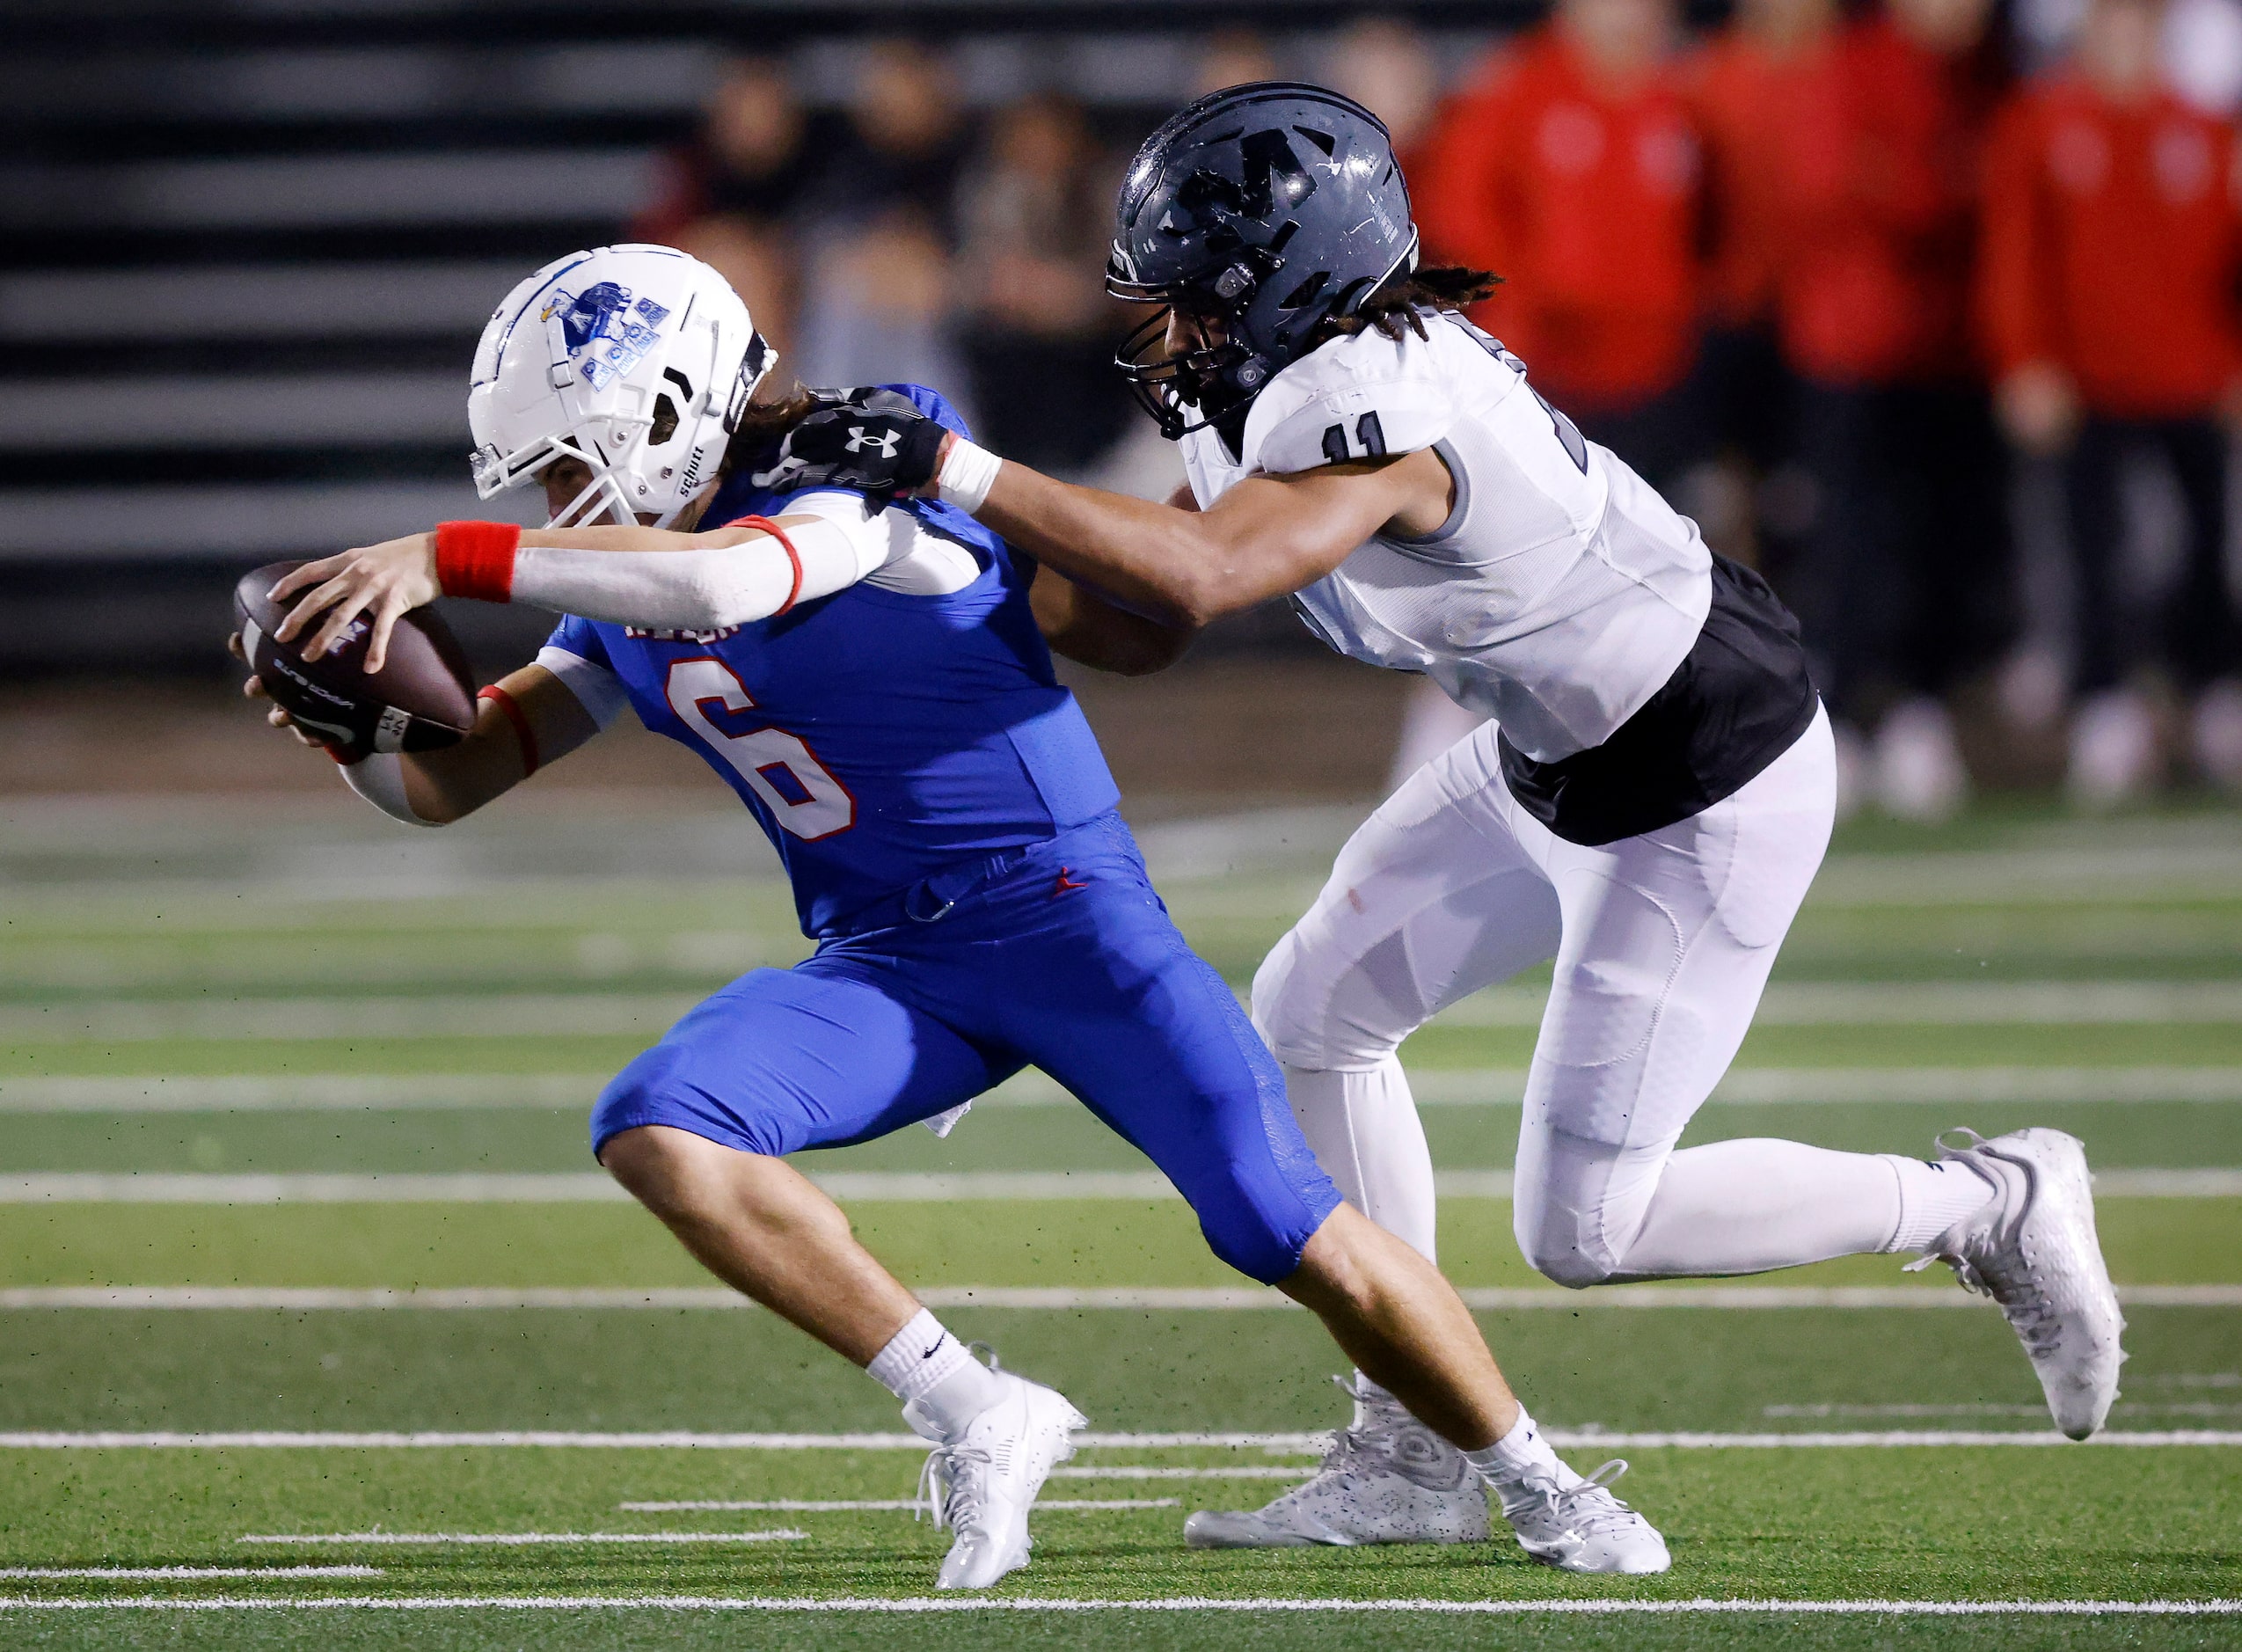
(1267, 537)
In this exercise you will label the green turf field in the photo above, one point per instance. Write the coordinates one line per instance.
(299, 1239)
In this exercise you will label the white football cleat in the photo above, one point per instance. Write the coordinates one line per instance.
(982, 1484)
(2033, 1251)
(1580, 1526)
(1387, 1478)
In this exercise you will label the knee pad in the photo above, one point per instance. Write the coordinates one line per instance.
(1559, 1258)
(1557, 1213)
(1288, 1022)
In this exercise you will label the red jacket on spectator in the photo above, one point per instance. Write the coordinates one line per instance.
(1880, 201)
(1586, 202)
(1749, 106)
(2111, 249)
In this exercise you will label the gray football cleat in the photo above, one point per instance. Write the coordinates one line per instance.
(983, 1483)
(1387, 1478)
(2033, 1251)
(1580, 1526)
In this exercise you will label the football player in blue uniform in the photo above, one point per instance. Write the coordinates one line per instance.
(871, 679)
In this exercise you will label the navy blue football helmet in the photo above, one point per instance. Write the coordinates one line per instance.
(1266, 208)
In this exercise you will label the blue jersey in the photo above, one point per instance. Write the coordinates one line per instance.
(878, 737)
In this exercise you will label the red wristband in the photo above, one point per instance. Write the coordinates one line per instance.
(785, 544)
(475, 558)
(523, 733)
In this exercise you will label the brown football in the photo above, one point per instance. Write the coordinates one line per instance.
(422, 698)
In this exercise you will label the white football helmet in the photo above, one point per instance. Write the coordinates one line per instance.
(637, 359)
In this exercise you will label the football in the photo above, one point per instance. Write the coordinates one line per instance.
(421, 699)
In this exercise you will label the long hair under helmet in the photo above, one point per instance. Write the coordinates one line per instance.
(637, 359)
(1270, 208)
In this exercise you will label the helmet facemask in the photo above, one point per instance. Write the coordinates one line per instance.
(1184, 391)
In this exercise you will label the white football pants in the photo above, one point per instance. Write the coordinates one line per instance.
(1662, 945)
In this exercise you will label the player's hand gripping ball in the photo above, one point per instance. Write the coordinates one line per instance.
(875, 440)
(421, 699)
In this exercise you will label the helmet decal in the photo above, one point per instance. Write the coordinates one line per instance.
(604, 314)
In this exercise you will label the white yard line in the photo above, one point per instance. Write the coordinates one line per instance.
(646, 1015)
(304, 1093)
(1506, 1087)
(453, 1015)
(908, 1605)
(270, 1439)
(1432, 1086)
(1929, 1004)
(99, 1188)
(1683, 1440)
(1155, 1299)
(76, 1187)
(190, 1571)
(521, 1540)
(907, 1505)
(1138, 1471)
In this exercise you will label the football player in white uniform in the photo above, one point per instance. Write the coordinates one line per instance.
(1647, 807)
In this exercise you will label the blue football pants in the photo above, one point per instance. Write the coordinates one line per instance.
(1062, 958)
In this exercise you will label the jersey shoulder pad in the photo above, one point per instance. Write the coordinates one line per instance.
(1356, 398)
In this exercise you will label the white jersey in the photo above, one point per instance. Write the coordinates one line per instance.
(1560, 594)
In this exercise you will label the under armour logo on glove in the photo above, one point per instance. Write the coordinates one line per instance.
(873, 440)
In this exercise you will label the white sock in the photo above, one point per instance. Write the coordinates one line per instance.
(1365, 1130)
(1521, 1454)
(925, 1365)
(1933, 1198)
(1748, 1206)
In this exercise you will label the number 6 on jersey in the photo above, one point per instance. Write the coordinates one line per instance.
(801, 793)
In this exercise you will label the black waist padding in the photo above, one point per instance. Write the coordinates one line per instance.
(1734, 705)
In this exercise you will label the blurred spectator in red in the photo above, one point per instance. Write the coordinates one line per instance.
(2108, 292)
(1753, 85)
(1904, 583)
(1387, 66)
(727, 195)
(1571, 167)
(1036, 212)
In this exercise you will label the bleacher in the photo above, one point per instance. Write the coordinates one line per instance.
(249, 244)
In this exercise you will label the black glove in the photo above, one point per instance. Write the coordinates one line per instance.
(875, 440)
